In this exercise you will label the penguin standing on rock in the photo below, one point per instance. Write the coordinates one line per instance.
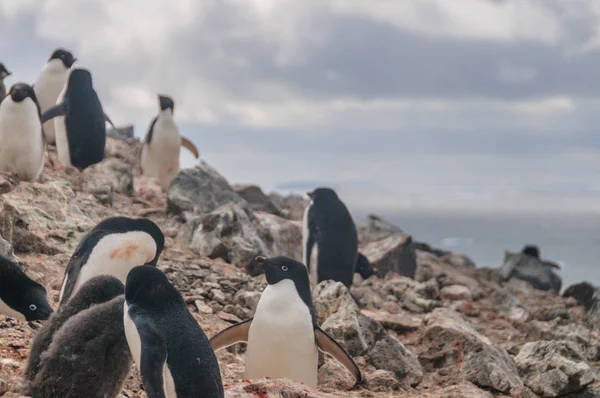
(22, 142)
(330, 241)
(160, 152)
(170, 349)
(283, 336)
(50, 83)
(88, 355)
(113, 247)
(4, 73)
(21, 297)
(80, 122)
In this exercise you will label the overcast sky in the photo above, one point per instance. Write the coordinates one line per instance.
(423, 105)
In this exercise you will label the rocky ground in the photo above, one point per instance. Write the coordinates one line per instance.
(435, 326)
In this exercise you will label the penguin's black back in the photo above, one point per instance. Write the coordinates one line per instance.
(336, 237)
(85, 122)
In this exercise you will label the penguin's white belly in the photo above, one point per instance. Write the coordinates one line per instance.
(47, 88)
(135, 347)
(116, 255)
(314, 255)
(61, 136)
(160, 158)
(21, 141)
(281, 340)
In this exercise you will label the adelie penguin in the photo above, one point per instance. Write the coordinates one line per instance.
(22, 142)
(86, 354)
(50, 83)
(80, 122)
(330, 241)
(113, 247)
(160, 152)
(283, 336)
(4, 73)
(21, 297)
(170, 349)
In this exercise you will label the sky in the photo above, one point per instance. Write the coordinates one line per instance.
(429, 105)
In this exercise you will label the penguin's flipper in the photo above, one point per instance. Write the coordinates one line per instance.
(231, 335)
(330, 346)
(109, 121)
(153, 358)
(189, 145)
(55, 111)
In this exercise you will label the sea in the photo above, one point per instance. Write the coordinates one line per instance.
(571, 240)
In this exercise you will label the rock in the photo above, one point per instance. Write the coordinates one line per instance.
(401, 323)
(464, 391)
(247, 299)
(334, 376)
(540, 274)
(104, 195)
(382, 380)
(124, 133)
(292, 206)
(459, 260)
(390, 354)
(387, 247)
(112, 173)
(593, 315)
(200, 190)
(257, 199)
(203, 308)
(582, 292)
(266, 387)
(554, 368)
(8, 181)
(6, 249)
(452, 341)
(282, 237)
(455, 292)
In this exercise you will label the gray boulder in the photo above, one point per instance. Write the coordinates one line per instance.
(582, 292)
(390, 354)
(257, 199)
(554, 368)
(540, 274)
(291, 206)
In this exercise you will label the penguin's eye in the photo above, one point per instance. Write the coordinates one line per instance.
(285, 268)
(32, 307)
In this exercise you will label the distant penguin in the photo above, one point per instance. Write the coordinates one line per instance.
(22, 142)
(283, 336)
(80, 123)
(113, 247)
(4, 73)
(21, 297)
(160, 152)
(170, 349)
(88, 355)
(330, 241)
(50, 83)
(97, 290)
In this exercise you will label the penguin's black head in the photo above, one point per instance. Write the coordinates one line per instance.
(21, 91)
(531, 250)
(99, 289)
(148, 287)
(33, 303)
(125, 224)
(281, 267)
(4, 73)
(80, 78)
(322, 194)
(64, 55)
(166, 102)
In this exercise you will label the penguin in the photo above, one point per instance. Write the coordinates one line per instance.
(170, 349)
(88, 355)
(4, 73)
(97, 290)
(80, 122)
(22, 142)
(21, 297)
(364, 267)
(113, 247)
(330, 241)
(283, 336)
(160, 151)
(50, 83)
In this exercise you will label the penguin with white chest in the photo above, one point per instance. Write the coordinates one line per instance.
(4, 73)
(50, 83)
(329, 237)
(80, 122)
(160, 152)
(170, 349)
(113, 247)
(21, 297)
(22, 142)
(283, 336)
